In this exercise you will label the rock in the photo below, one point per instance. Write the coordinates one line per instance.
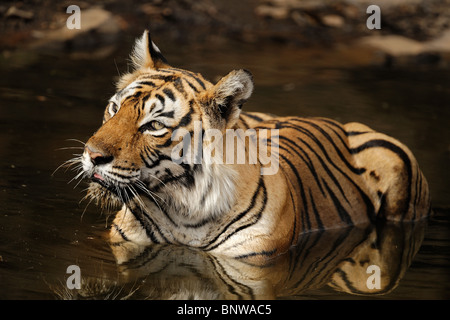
(402, 50)
(99, 28)
(440, 44)
(402, 46)
(14, 12)
(278, 13)
(333, 21)
(394, 45)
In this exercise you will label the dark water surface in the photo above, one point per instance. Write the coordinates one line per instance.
(44, 228)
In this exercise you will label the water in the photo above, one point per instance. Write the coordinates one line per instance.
(44, 228)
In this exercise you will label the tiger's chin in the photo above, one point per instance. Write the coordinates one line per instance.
(103, 197)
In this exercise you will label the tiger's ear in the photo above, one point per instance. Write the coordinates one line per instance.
(223, 102)
(146, 54)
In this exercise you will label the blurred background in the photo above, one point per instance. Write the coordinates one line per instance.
(308, 58)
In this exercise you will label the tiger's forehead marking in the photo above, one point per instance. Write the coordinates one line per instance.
(178, 77)
(163, 94)
(167, 83)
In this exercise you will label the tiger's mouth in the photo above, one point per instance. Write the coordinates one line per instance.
(105, 193)
(97, 176)
(106, 190)
(102, 181)
(109, 191)
(110, 181)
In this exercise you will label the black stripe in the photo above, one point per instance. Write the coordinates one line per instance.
(194, 76)
(302, 192)
(199, 224)
(146, 163)
(165, 78)
(331, 140)
(316, 213)
(178, 85)
(120, 175)
(343, 214)
(260, 253)
(251, 116)
(140, 109)
(366, 199)
(255, 217)
(378, 143)
(340, 137)
(135, 96)
(122, 234)
(144, 224)
(186, 118)
(169, 93)
(124, 169)
(293, 202)
(165, 71)
(244, 123)
(308, 163)
(148, 153)
(220, 271)
(148, 83)
(354, 290)
(325, 167)
(186, 178)
(160, 98)
(335, 124)
(330, 256)
(238, 217)
(192, 86)
(357, 133)
(200, 82)
(144, 100)
(294, 229)
(169, 114)
(155, 163)
(165, 144)
(305, 251)
(152, 199)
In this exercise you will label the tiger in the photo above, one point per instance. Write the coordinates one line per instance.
(327, 174)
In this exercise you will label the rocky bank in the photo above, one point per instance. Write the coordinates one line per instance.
(412, 31)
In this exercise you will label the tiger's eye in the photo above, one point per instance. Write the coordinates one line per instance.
(113, 107)
(156, 125)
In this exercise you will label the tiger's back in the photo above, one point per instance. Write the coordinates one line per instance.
(341, 175)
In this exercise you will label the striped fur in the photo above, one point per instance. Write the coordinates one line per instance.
(331, 175)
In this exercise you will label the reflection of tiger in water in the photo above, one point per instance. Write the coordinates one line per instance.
(339, 258)
(330, 175)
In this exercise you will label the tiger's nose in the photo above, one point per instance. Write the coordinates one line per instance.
(98, 158)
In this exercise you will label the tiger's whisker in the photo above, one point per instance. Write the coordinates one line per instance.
(76, 140)
(67, 164)
(69, 148)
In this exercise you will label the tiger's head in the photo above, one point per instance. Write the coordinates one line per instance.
(129, 159)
